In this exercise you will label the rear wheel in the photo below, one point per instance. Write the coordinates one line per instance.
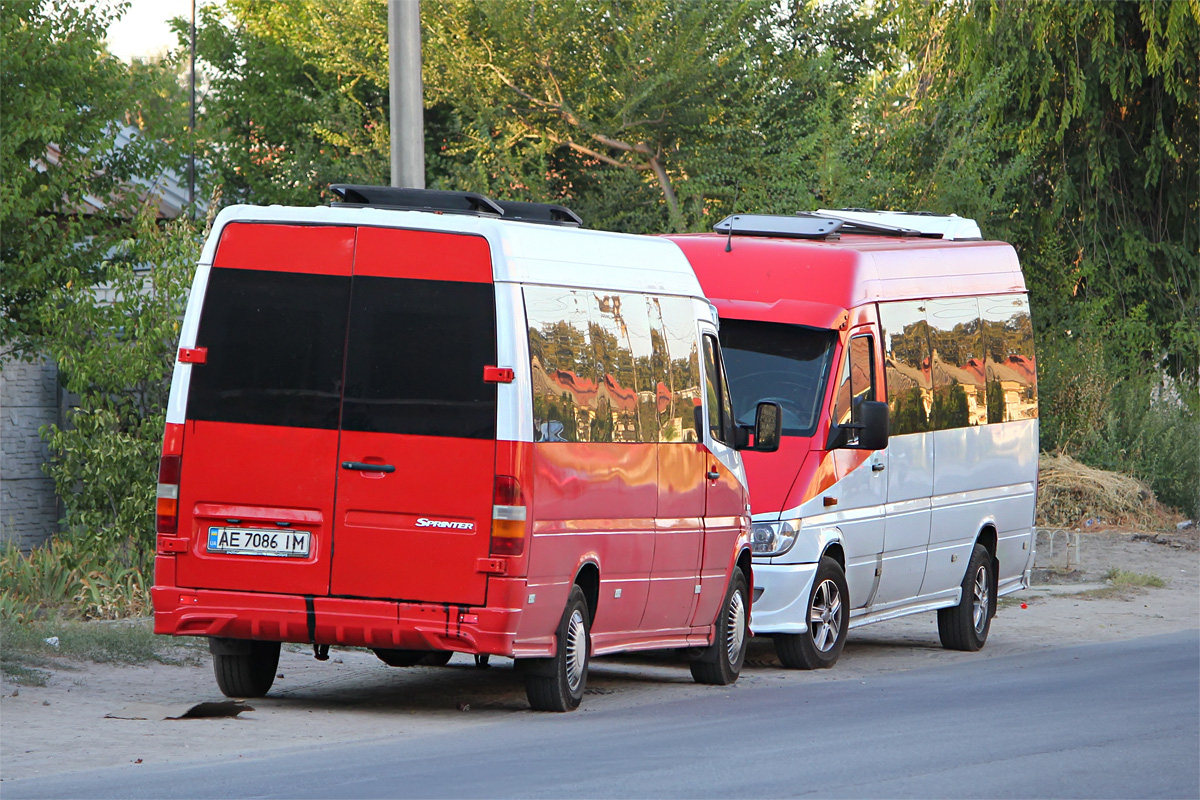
(557, 684)
(828, 620)
(248, 673)
(965, 626)
(720, 663)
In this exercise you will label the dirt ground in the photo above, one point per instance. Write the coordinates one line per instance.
(75, 722)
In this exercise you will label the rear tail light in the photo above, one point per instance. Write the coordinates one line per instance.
(166, 515)
(508, 517)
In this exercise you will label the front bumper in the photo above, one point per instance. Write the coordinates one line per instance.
(782, 606)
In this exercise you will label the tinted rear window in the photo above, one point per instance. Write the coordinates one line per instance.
(417, 353)
(275, 349)
(785, 364)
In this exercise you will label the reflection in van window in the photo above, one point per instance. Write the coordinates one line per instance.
(1011, 368)
(906, 366)
(562, 364)
(679, 397)
(778, 363)
(275, 342)
(956, 345)
(417, 349)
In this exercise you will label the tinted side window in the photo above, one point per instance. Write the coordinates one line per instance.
(857, 382)
(275, 345)
(906, 366)
(678, 416)
(616, 406)
(417, 350)
(1011, 367)
(562, 364)
(956, 344)
(720, 408)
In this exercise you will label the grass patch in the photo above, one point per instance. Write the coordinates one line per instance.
(1124, 578)
(27, 655)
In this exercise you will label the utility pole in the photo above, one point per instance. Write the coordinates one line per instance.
(407, 109)
(192, 120)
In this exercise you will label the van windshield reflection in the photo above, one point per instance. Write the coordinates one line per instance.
(777, 363)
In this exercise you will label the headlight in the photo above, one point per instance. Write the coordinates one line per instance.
(774, 538)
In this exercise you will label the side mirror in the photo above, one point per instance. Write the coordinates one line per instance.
(766, 429)
(874, 433)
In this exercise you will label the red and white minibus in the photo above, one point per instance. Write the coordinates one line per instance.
(900, 348)
(423, 423)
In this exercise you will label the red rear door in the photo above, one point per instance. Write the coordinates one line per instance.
(261, 439)
(417, 457)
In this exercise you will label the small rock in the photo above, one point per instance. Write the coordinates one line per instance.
(1183, 526)
(279, 675)
(137, 761)
(52, 641)
(338, 661)
(45, 702)
(16, 692)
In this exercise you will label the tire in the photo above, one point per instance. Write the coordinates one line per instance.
(720, 663)
(414, 658)
(828, 621)
(557, 684)
(966, 625)
(247, 674)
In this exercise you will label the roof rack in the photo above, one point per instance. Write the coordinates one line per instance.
(905, 223)
(546, 213)
(359, 196)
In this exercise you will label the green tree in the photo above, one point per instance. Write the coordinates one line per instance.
(63, 197)
(114, 348)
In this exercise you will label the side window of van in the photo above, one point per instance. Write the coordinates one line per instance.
(857, 380)
(615, 408)
(720, 408)
(679, 389)
(1011, 368)
(906, 366)
(562, 364)
(958, 375)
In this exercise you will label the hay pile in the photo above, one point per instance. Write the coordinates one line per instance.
(1074, 495)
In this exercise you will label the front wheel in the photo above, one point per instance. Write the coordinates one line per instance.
(246, 668)
(721, 662)
(557, 684)
(965, 626)
(828, 620)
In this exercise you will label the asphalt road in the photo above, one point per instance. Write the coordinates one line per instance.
(1104, 720)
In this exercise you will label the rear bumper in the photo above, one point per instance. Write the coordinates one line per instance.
(339, 621)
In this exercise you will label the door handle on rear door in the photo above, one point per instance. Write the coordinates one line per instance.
(878, 466)
(360, 466)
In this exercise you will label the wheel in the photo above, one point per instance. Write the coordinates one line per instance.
(828, 621)
(556, 684)
(720, 663)
(249, 673)
(413, 658)
(965, 626)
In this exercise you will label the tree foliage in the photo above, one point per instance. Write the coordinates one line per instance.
(114, 347)
(64, 98)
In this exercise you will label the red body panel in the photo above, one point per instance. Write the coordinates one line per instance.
(385, 545)
(256, 476)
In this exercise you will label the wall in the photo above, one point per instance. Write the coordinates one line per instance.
(29, 510)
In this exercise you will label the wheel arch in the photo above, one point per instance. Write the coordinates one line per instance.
(587, 578)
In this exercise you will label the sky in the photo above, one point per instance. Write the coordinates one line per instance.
(142, 31)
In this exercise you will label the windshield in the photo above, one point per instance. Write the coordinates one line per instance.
(777, 363)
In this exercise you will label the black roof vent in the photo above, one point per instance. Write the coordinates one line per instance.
(356, 196)
(548, 213)
(800, 226)
(415, 199)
